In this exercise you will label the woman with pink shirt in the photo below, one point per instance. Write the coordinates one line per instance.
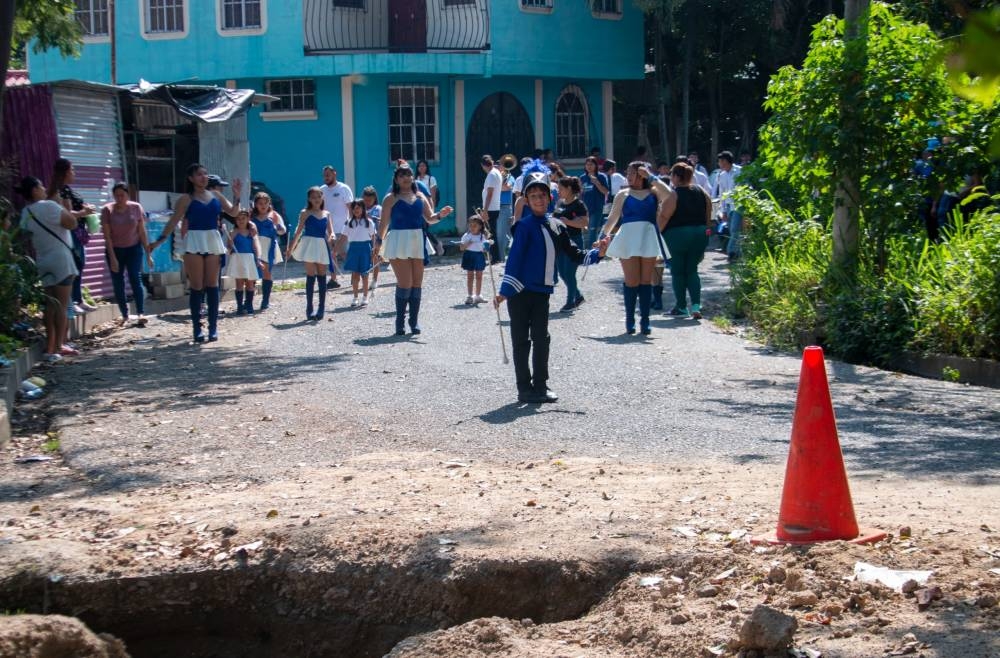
(124, 225)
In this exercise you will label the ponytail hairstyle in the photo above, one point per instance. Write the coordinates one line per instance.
(572, 183)
(189, 172)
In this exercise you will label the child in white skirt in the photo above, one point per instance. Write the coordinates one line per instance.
(312, 242)
(474, 258)
(360, 233)
(244, 261)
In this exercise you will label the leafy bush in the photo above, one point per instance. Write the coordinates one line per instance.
(19, 284)
(941, 298)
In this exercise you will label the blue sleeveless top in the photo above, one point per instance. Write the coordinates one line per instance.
(639, 210)
(407, 215)
(315, 227)
(243, 243)
(203, 216)
(265, 228)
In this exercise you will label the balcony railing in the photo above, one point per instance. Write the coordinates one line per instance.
(404, 26)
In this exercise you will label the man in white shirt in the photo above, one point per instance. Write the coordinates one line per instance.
(694, 160)
(724, 186)
(336, 196)
(618, 181)
(491, 202)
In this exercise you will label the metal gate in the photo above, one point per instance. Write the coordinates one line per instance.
(499, 125)
(224, 149)
(407, 26)
(88, 125)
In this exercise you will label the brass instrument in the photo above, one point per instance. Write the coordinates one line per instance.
(508, 161)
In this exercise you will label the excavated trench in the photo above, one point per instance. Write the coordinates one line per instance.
(350, 609)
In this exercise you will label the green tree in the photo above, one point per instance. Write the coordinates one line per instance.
(898, 96)
(50, 24)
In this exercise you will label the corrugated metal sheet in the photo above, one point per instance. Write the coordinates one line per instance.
(88, 125)
(225, 150)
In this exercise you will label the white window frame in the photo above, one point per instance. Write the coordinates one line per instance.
(223, 31)
(163, 36)
(90, 37)
(436, 156)
(294, 114)
(577, 92)
(607, 15)
(537, 7)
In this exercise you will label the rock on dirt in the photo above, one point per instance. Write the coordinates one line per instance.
(768, 629)
(55, 636)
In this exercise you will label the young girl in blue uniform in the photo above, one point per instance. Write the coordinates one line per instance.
(312, 243)
(360, 232)
(474, 258)
(404, 211)
(641, 211)
(199, 209)
(270, 225)
(374, 210)
(244, 261)
(528, 280)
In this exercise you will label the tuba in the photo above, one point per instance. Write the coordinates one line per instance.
(507, 162)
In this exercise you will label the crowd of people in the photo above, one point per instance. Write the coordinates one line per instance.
(544, 223)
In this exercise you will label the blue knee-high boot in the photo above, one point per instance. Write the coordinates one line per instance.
(645, 301)
(321, 282)
(310, 291)
(212, 301)
(402, 297)
(265, 293)
(240, 303)
(415, 294)
(248, 294)
(195, 303)
(631, 294)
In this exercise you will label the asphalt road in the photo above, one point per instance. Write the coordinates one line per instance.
(147, 406)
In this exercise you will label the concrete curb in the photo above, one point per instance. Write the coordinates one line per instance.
(978, 372)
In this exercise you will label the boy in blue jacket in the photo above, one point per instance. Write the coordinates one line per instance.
(529, 276)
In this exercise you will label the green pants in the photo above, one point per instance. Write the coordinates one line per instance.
(687, 246)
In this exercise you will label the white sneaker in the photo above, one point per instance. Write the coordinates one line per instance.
(52, 358)
(364, 301)
(479, 299)
(469, 301)
(88, 307)
(355, 302)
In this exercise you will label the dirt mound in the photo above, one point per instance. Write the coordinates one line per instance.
(55, 636)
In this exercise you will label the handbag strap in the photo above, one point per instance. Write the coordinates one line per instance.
(50, 231)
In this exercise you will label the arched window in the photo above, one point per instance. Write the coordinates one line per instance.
(571, 123)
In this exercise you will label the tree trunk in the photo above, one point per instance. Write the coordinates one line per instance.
(713, 117)
(847, 201)
(6, 35)
(662, 91)
(682, 138)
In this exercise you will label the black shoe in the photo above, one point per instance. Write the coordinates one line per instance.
(678, 311)
(567, 307)
(579, 301)
(333, 283)
(400, 332)
(534, 397)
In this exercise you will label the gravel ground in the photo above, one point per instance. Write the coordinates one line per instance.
(346, 386)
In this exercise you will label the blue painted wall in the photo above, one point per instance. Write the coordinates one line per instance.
(575, 42)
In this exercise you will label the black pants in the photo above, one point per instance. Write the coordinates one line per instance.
(492, 216)
(529, 333)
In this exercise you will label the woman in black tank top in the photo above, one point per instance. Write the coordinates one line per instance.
(686, 235)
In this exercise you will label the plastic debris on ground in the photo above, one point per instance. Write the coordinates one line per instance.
(891, 578)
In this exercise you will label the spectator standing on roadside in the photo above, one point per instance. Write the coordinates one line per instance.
(595, 194)
(60, 191)
(688, 225)
(724, 186)
(123, 223)
(694, 159)
(615, 180)
(492, 189)
(698, 178)
(336, 197)
(49, 224)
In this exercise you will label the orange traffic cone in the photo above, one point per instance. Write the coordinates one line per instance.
(816, 501)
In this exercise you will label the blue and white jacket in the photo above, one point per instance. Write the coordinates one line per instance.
(531, 263)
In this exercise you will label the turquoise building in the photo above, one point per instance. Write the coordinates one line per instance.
(360, 83)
